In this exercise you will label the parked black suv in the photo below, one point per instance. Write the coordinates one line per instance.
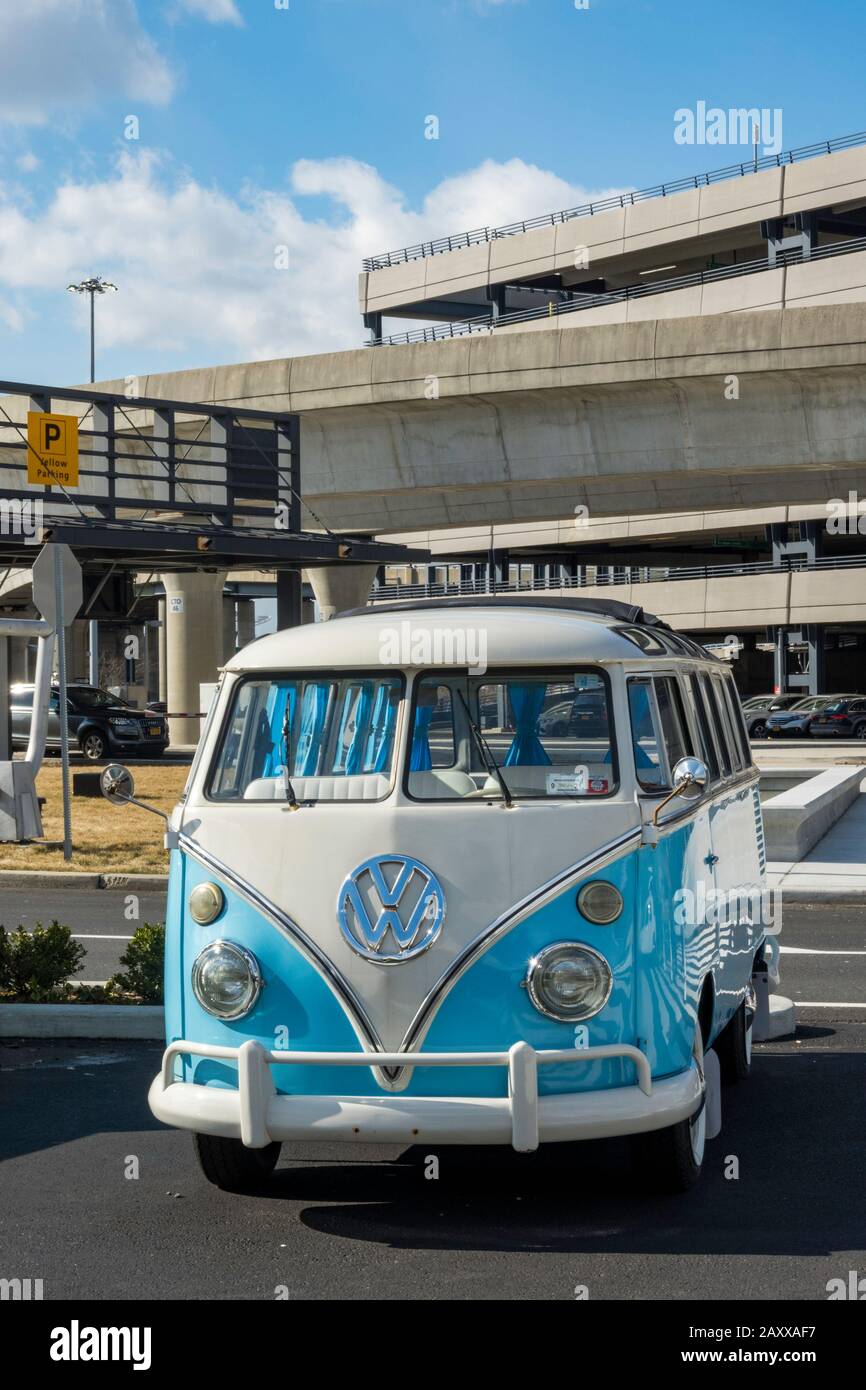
(102, 724)
(845, 719)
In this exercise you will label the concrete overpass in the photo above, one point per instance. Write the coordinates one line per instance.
(521, 426)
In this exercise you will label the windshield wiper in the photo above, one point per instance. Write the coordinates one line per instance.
(287, 758)
(486, 756)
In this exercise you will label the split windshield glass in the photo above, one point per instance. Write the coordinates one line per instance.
(550, 733)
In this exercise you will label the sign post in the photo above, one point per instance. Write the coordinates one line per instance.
(58, 593)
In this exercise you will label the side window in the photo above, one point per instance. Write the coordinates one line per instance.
(645, 737)
(711, 756)
(726, 767)
(433, 741)
(660, 732)
(677, 735)
(730, 749)
(740, 735)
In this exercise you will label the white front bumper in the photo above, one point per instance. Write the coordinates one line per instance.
(257, 1115)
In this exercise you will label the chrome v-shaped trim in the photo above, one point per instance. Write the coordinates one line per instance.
(396, 1078)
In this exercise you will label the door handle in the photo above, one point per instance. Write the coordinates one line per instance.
(711, 859)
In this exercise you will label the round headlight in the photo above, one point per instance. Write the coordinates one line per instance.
(226, 979)
(569, 982)
(599, 902)
(206, 902)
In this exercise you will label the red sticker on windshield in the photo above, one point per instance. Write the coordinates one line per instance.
(597, 785)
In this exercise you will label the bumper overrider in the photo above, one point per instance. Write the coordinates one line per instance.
(257, 1115)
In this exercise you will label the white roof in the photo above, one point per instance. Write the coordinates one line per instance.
(406, 639)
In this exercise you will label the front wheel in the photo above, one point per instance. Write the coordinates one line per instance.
(230, 1165)
(734, 1044)
(93, 746)
(860, 731)
(670, 1160)
(758, 730)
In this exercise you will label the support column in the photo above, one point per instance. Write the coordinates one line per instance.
(193, 639)
(338, 587)
(162, 658)
(246, 624)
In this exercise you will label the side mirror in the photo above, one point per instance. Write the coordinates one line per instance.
(117, 784)
(118, 787)
(689, 778)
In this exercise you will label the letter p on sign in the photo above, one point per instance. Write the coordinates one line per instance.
(52, 448)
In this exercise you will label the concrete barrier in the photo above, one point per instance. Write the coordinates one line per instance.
(797, 819)
(82, 1021)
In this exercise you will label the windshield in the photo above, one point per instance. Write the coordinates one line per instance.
(88, 697)
(548, 733)
(341, 736)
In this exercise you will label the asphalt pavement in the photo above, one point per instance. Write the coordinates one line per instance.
(367, 1223)
(99, 918)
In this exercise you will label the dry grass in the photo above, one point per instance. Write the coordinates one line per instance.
(105, 838)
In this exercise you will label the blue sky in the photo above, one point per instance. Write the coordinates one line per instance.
(303, 129)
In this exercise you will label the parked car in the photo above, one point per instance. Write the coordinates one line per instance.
(585, 713)
(796, 722)
(845, 719)
(101, 724)
(757, 707)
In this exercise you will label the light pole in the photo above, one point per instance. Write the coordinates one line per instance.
(94, 286)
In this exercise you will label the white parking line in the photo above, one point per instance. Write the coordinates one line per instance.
(808, 951)
(837, 1004)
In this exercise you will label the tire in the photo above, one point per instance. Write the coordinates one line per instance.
(733, 1046)
(93, 745)
(230, 1165)
(860, 731)
(670, 1160)
(758, 730)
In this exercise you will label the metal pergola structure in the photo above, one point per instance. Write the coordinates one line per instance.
(173, 485)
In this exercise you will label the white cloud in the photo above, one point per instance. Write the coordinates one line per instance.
(216, 11)
(62, 55)
(196, 268)
(27, 162)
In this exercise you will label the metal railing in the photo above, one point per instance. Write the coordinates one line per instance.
(621, 200)
(794, 256)
(617, 575)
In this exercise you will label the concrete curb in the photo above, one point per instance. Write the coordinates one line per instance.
(59, 878)
(82, 1021)
(841, 897)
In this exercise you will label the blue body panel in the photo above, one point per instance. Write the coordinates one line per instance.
(659, 967)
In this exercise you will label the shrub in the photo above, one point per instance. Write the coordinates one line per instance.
(143, 959)
(35, 964)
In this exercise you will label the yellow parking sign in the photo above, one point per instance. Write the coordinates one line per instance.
(52, 448)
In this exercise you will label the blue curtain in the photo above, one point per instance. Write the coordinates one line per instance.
(314, 707)
(420, 760)
(526, 750)
(378, 748)
(362, 705)
(280, 692)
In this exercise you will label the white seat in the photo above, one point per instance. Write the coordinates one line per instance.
(367, 786)
(433, 785)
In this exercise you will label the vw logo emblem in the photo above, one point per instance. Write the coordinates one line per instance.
(391, 908)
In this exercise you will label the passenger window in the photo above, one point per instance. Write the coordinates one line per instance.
(740, 736)
(711, 757)
(660, 731)
(433, 742)
(677, 736)
(726, 767)
(727, 744)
